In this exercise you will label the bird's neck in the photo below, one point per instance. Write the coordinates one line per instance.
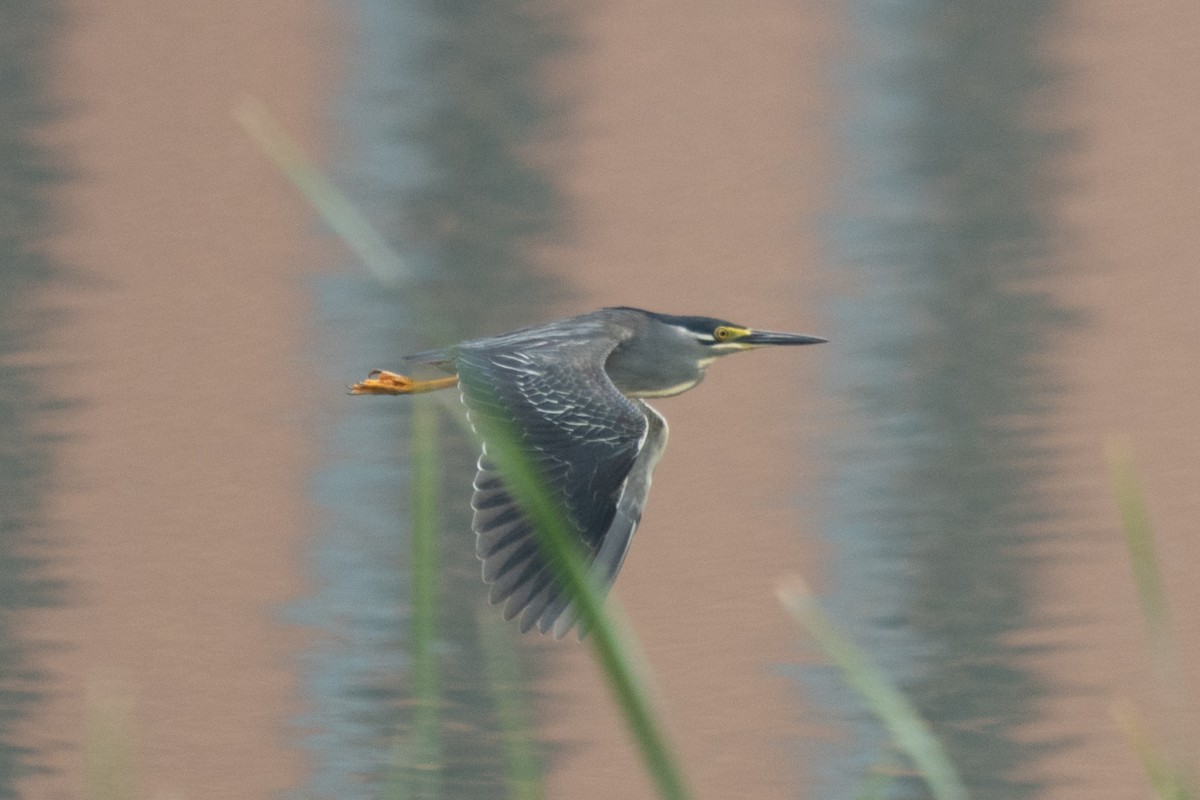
(637, 377)
(661, 391)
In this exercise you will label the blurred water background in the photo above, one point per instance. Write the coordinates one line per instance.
(986, 207)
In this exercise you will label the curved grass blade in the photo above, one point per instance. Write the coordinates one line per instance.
(1166, 767)
(1169, 782)
(338, 212)
(615, 651)
(910, 732)
(1135, 522)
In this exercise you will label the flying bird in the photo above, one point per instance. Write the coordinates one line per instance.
(574, 393)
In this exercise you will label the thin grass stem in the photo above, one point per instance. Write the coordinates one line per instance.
(522, 768)
(108, 771)
(418, 768)
(334, 207)
(910, 732)
(615, 651)
(1167, 772)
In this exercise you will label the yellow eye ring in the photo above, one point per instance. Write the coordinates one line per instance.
(722, 334)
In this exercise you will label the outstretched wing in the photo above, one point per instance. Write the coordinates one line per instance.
(594, 448)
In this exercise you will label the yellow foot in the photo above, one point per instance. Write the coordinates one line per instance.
(382, 382)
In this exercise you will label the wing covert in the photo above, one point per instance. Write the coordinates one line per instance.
(583, 436)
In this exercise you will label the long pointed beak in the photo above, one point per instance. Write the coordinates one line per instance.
(762, 338)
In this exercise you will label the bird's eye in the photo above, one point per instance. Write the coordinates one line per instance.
(722, 334)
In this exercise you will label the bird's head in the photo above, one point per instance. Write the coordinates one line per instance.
(666, 354)
(707, 338)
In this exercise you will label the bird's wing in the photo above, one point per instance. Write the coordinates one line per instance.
(593, 447)
(628, 514)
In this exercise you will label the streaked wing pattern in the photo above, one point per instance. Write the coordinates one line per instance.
(584, 437)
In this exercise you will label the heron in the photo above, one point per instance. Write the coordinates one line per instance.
(574, 394)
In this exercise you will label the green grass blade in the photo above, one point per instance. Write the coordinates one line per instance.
(614, 651)
(418, 772)
(523, 769)
(910, 732)
(1135, 523)
(1169, 782)
(338, 212)
(108, 767)
(1166, 773)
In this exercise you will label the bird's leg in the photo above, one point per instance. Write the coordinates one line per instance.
(381, 382)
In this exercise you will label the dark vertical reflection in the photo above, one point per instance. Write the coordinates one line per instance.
(26, 454)
(946, 220)
(487, 199)
(443, 112)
